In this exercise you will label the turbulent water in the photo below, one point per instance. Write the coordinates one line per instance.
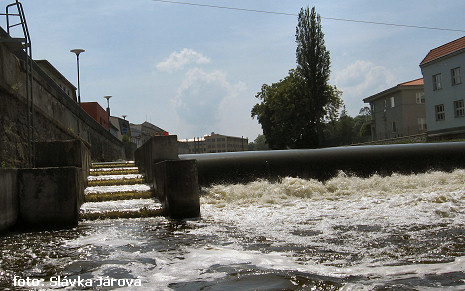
(378, 233)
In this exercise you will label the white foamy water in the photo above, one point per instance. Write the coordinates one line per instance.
(119, 205)
(403, 232)
(115, 177)
(117, 188)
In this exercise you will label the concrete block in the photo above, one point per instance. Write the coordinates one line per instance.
(176, 186)
(156, 149)
(8, 199)
(50, 197)
(64, 153)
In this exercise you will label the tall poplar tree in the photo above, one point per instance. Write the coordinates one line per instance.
(313, 64)
(292, 111)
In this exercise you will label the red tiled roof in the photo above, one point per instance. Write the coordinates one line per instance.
(444, 50)
(417, 82)
(413, 83)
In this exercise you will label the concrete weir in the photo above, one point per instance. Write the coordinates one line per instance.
(325, 163)
(175, 182)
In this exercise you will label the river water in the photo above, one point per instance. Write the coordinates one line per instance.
(403, 232)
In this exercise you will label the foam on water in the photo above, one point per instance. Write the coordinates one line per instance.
(120, 205)
(114, 177)
(117, 188)
(402, 231)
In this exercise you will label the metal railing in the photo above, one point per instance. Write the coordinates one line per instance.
(15, 17)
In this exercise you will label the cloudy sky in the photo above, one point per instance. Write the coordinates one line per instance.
(195, 70)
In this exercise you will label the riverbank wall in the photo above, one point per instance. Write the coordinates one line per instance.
(56, 115)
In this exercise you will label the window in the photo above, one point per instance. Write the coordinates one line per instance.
(455, 74)
(459, 108)
(437, 82)
(392, 101)
(440, 114)
(420, 97)
(422, 123)
(394, 128)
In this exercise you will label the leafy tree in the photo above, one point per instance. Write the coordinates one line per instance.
(259, 144)
(292, 111)
(313, 63)
(279, 112)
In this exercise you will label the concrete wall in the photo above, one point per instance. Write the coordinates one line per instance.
(8, 199)
(56, 116)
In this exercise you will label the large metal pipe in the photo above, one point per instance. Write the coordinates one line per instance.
(325, 163)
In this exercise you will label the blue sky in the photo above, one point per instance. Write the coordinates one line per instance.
(194, 70)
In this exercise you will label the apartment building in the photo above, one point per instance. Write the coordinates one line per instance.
(215, 143)
(398, 111)
(442, 70)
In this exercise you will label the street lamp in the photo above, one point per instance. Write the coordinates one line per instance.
(108, 104)
(124, 116)
(77, 52)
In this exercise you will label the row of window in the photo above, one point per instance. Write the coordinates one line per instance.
(455, 79)
(391, 102)
(459, 110)
(421, 125)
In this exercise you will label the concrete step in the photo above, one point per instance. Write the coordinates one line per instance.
(117, 192)
(112, 180)
(120, 164)
(121, 209)
(114, 171)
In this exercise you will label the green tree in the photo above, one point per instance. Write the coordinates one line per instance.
(292, 112)
(313, 63)
(259, 144)
(278, 112)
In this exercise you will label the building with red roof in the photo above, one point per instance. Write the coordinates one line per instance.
(398, 111)
(442, 70)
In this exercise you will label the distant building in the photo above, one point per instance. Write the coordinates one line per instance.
(398, 111)
(142, 132)
(217, 143)
(56, 76)
(121, 127)
(192, 146)
(442, 70)
(96, 112)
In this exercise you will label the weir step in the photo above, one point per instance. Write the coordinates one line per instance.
(113, 164)
(113, 171)
(117, 184)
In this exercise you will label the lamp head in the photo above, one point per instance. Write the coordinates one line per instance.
(77, 51)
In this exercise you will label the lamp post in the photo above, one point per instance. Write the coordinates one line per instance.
(108, 104)
(124, 116)
(77, 52)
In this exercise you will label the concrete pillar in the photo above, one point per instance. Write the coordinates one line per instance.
(49, 197)
(8, 198)
(64, 153)
(156, 149)
(176, 186)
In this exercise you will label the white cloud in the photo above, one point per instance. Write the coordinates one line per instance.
(363, 76)
(362, 79)
(178, 60)
(204, 99)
